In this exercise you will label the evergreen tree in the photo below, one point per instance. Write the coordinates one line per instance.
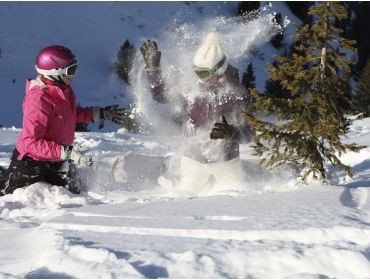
(360, 31)
(362, 97)
(249, 78)
(274, 87)
(125, 60)
(277, 40)
(309, 125)
(345, 24)
(300, 10)
(247, 6)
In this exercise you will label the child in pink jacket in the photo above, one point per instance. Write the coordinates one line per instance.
(44, 150)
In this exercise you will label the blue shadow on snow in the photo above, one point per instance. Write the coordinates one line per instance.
(150, 271)
(45, 273)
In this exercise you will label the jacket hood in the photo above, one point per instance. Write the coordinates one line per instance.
(42, 83)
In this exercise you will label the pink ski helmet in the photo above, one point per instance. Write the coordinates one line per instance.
(54, 61)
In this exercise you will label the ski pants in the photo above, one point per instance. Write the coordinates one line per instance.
(22, 173)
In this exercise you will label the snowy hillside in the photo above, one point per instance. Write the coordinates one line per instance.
(95, 31)
(270, 227)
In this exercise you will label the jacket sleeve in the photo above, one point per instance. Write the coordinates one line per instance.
(157, 86)
(36, 113)
(84, 115)
(243, 133)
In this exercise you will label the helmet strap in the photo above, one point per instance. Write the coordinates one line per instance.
(55, 78)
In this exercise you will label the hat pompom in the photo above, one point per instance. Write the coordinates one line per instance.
(210, 53)
(212, 39)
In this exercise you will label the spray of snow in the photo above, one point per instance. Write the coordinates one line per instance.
(239, 37)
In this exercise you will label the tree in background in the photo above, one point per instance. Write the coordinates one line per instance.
(125, 61)
(274, 87)
(345, 24)
(300, 10)
(360, 31)
(277, 40)
(310, 124)
(249, 78)
(362, 97)
(246, 7)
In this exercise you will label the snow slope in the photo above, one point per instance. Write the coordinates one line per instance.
(94, 31)
(273, 229)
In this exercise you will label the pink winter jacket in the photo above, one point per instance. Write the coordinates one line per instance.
(49, 118)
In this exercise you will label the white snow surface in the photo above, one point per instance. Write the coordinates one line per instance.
(269, 227)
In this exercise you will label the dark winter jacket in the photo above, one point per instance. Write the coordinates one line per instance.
(229, 99)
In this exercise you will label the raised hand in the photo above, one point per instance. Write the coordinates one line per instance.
(151, 55)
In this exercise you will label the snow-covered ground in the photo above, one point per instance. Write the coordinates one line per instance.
(272, 228)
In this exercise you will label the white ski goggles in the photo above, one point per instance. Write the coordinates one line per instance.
(69, 70)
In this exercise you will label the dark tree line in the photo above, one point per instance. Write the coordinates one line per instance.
(247, 6)
(359, 30)
(362, 95)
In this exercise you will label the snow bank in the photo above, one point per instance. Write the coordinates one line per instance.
(277, 263)
(74, 259)
(38, 200)
(269, 227)
(46, 254)
(233, 178)
(21, 247)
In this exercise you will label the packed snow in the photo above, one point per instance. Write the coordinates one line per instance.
(270, 227)
(133, 219)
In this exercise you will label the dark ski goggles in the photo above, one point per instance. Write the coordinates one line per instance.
(204, 73)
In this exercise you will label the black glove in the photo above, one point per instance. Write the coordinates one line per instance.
(151, 55)
(222, 130)
(111, 113)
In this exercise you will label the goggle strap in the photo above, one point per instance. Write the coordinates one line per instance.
(52, 72)
(220, 63)
(222, 69)
(214, 68)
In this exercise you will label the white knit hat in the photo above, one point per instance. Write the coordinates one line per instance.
(210, 53)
